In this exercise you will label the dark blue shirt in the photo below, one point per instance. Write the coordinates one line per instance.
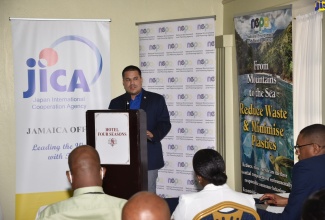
(136, 103)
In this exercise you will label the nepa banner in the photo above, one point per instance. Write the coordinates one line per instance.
(61, 70)
(264, 63)
(178, 60)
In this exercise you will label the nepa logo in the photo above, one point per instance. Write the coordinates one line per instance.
(210, 44)
(184, 97)
(146, 64)
(155, 47)
(184, 63)
(204, 27)
(260, 23)
(204, 97)
(165, 63)
(174, 80)
(168, 164)
(164, 196)
(211, 114)
(48, 57)
(156, 80)
(168, 97)
(173, 147)
(194, 45)
(175, 113)
(319, 6)
(145, 31)
(174, 46)
(211, 79)
(192, 148)
(193, 114)
(174, 181)
(204, 62)
(191, 182)
(185, 131)
(165, 30)
(184, 28)
(184, 164)
(160, 180)
(193, 79)
(203, 131)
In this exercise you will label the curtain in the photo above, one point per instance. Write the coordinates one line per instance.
(307, 71)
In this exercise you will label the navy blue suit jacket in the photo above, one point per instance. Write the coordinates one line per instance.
(308, 176)
(158, 123)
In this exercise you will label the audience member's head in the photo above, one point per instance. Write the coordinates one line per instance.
(85, 169)
(311, 141)
(145, 206)
(209, 167)
(314, 207)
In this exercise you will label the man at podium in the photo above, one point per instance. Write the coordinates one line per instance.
(158, 121)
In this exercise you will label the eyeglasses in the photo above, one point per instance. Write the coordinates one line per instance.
(299, 146)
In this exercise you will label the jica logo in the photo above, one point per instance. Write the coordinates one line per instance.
(60, 80)
(145, 31)
(184, 28)
(260, 23)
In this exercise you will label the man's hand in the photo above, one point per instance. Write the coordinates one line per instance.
(149, 135)
(274, 199)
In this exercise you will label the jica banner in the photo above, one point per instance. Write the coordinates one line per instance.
(264, 64)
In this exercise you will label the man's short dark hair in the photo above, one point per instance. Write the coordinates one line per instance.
(314, 132)
(131, 68)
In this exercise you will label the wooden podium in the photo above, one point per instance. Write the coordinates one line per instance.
(122, 179)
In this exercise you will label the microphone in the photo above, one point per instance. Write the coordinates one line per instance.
(127, 105)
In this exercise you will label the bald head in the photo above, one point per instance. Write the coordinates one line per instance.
(146, 206)
(85, 169)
